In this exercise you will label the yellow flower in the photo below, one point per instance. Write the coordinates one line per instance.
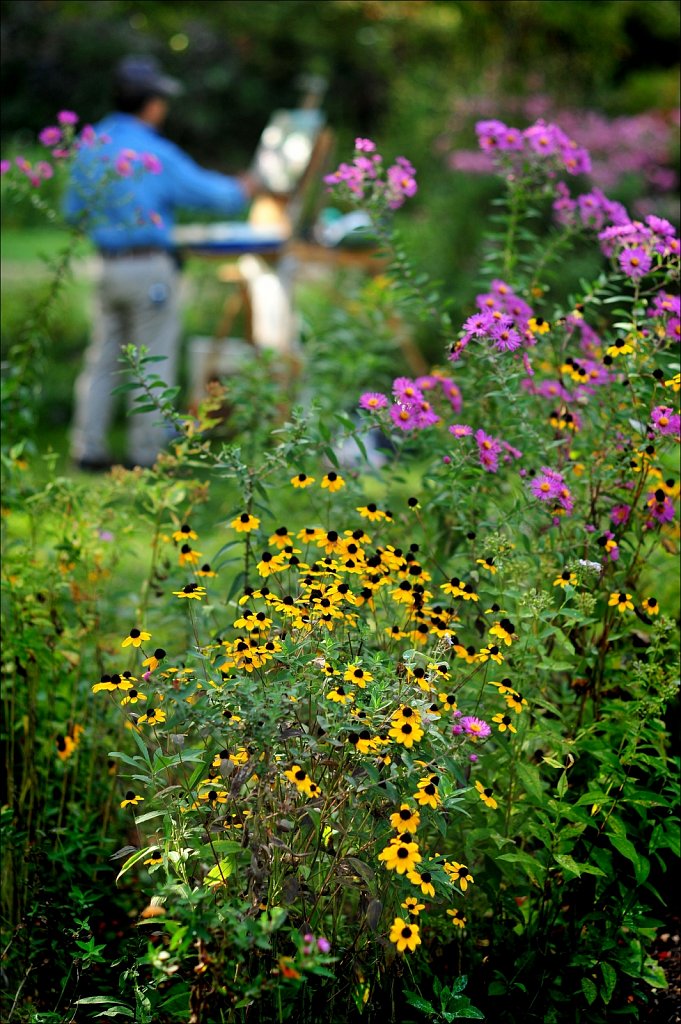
(357, 675)
(412, 905)
(621, 601)
(427, 795)
(154, 660)
(188, 556)
(155, 857)
(486, 795)
(407, 733)
(371, 512)
(449, 701)
(424, 881)
(152, 716)
(302, 480)
(504, 722)
(333, 482)
(192, 591)
(458, 918)
(185, 533)
(132, 697)
(565, 579)
(245, 523)
(537, 325)
(132, 799)
(406, 819)
(405, 936)
(136, 637)
(651, 606)
(458, 873)
(487, 563)
(400, 857)
(339, 696)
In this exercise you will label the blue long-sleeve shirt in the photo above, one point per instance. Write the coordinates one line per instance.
(136, 208)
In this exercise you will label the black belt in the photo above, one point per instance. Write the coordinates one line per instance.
(134, 252)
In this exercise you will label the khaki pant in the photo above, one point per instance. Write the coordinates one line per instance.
(137, 303)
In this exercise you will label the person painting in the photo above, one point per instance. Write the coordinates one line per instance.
(124, 191)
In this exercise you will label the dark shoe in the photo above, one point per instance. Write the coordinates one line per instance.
(93, 465)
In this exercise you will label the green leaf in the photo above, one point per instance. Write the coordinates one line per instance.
(562, 785)
(628, 850)
(131, 861)
(419, 1003)
(590, 991)
(609, 981)
(568, 864)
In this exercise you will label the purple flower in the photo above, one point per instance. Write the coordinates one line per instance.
(5, 166)
(506, 338)
(460, 430)
(365, 145)
(635, 262)
(323, 945)
(489, 450)
(474, 727)
(665, 421)
(404, 416)
(547, 484)
(50, 136)
(151, 163)
(67, 117)
(406, 390)
(372, 400)
(661, 508)
(619, 514)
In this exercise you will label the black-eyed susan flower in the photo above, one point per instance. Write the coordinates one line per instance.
(299, 777)
(188, 556)
(486, 795)
(651, 606)
(458, 917)
(400, 857)
(154, 660)
(206, 571)
(404, 936)
(339, 695)
(302, 480)
(133, 696)
(423, 880)
(412, 906)
(131, 799)
(65, 747)
(371, 512)
(357, 675)
(136, 637)
(185, 533)
(427, 795)
(245, 523)
(407, 819)
(448, 701)
(213, 796)
(459, 874)
(487, 563)
(280, 538)
(504, 686)
(490, 653)
(565, 579)
(192, 591)
(504, 722)
(154, 859)
(405, 732)
(152, 716)
(270, 563)
(504, 630)
(621, 601)
(333, 482)
(537, 325)
(516, 702)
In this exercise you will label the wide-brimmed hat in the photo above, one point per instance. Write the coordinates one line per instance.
(142, 74)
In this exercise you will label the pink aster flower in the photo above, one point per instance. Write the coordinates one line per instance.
(323, 945)
(489, 450)
(460, 430)
(619, 514)
(372, 400)
(406, 390)
(50, 136)
(67, 117)
(661, 508)
(635, 263)
(665, 421)
(365, 145)
(404, 416)
(546, 486)
(5, 166)
(474, 727)
(151, 163)
(452, 393)
(506, 338)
